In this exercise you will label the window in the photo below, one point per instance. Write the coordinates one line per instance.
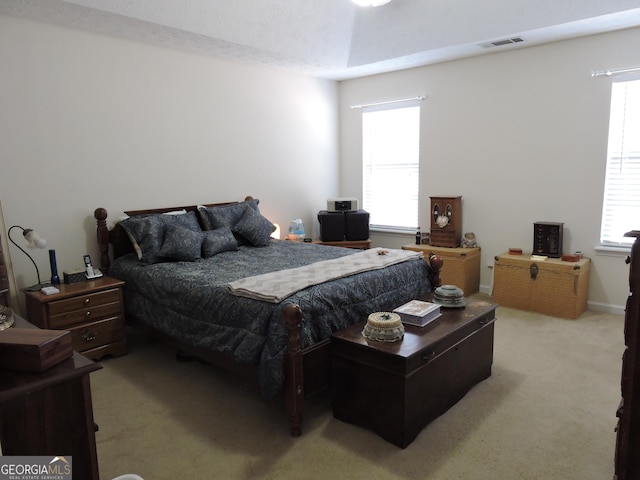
(621, 204)
(391, 165)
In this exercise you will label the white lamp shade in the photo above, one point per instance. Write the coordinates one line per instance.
(34, 239)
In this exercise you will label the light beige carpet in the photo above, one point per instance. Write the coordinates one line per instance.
(546, 413)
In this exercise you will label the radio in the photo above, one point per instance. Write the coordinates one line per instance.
(342, 204)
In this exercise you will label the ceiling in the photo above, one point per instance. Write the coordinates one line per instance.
(335, 39)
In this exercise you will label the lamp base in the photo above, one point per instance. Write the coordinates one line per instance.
(37, 287)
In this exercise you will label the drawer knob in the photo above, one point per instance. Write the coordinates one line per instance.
(88, 314)
(427, 357)
(483, 321)
(86, 301)
(89, 336)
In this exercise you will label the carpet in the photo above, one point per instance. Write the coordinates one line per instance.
(547, 412)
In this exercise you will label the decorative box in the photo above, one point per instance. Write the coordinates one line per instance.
(33, 349)
(74, 276)
(547, 239)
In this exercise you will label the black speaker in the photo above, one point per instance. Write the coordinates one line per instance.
(332, 226)
(357, 225)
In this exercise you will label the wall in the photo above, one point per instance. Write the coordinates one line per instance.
(521, 135)
(92, 121)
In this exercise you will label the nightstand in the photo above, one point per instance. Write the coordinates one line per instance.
(92, 311)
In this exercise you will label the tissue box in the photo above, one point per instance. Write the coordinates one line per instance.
(33, 349)
(74, 276)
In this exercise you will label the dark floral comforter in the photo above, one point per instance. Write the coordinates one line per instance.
(190, 301)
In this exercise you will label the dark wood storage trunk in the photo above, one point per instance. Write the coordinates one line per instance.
(33, 350)
(395, 389)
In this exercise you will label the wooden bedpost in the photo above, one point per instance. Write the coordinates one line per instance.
(436, 265)
(100, 214)
(294, 377)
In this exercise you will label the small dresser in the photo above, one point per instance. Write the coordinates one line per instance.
(92, 311)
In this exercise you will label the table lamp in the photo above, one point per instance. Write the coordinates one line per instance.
(35, 241)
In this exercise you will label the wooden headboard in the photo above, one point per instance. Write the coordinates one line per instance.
(118, 238)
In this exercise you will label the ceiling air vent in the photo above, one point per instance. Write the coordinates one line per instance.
(504, 41)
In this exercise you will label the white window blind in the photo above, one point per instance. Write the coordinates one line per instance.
(621, 204)
(391, 166)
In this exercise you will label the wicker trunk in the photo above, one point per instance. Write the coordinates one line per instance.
(461, 266)
(552, 287)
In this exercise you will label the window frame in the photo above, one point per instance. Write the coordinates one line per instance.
(621, 153)
(413, 167)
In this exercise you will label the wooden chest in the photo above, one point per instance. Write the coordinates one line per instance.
(552, 286)
(396, 388)
(33, 349)
(461, 266)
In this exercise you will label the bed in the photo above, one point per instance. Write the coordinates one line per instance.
(190, 277)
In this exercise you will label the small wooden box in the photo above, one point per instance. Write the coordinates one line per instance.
(460, 267)
(33, 349)
(449, 208)
(551, 287)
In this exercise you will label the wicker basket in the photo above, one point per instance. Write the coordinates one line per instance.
(461, 266)
(552, 287)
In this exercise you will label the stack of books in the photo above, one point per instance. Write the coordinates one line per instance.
(417, 312)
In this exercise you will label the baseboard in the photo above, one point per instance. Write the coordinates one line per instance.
(593, 306)
(605, 308)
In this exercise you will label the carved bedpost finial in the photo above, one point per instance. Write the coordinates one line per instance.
(436, 263)
(100, 214)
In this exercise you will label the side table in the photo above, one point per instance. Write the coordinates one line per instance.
(50, 413)
(92, 311)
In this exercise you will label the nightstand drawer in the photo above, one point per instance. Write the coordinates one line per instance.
(85, 315)
(81, 302)
(96, 334)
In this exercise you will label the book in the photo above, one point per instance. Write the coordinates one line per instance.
(417, 312)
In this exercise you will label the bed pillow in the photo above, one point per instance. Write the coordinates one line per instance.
(181, 244)
(147, 232)
(225, 215)
(217, 241)
(255, 228)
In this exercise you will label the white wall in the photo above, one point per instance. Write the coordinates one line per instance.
(521, 135)
(92, 121)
